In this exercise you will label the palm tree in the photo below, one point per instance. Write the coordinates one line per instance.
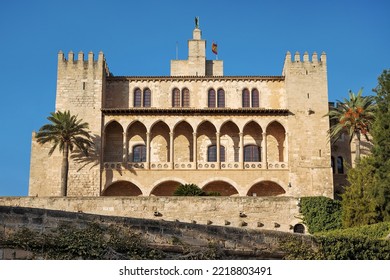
(353, 116)
(65, 132)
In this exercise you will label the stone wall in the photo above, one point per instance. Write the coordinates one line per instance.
(273, 213)
(237, 243)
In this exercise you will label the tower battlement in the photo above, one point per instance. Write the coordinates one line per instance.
(305, 58)
(80, 60)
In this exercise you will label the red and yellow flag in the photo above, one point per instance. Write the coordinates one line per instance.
(214, 48)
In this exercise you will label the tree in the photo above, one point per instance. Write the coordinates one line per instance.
(367, 198)
(354, 116)
(381, 149)
(65, 132)
(358, 202)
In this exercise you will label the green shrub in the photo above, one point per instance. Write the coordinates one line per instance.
(359, 243)
(320, 213)
(188, 190)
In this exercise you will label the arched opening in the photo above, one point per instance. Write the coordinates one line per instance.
(266, 188)
(206, 136)
(276, 135)
(175, 97)
(147, 97)
(252, 153)
(221, 187)
(221, 98)
(159, 143)
(253, 137)
(136, 137)
(231, 141)
(183, 142)
(185, 98)
(113, 142)
(245, 98)
(212, 153)
(299, 228)
(166, 188)
(340, 165)
(137, 97)
(255, 98)
(211, 98)
(122, 188)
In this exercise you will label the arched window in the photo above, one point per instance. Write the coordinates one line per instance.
(211, 98)
(332, 164)
(212, 153)
(139, 153)
(340, 165)
(185, 99)
(252, 153)
(147, 97)
(176, 97)
(137, 97)
(221, 98)
(255, 98)
(245, 98)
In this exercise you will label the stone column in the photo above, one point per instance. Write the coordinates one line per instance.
(241, 151)
(171, 147)
(217, 135)
(285, 150)
(147, 150)
(124, 156)
(194, 150)
(264, 150)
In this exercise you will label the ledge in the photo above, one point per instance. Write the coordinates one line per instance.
(195, 111)
(195, 78)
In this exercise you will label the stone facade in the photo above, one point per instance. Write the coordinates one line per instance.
(237, 135)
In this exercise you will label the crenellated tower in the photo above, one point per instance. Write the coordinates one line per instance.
(307, 99)
(80, 89)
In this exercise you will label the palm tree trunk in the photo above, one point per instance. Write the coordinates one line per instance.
(64, 170)
(357, 143)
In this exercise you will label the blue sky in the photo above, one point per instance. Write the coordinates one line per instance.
(139, 38)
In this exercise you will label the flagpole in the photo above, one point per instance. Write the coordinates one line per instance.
(177, 50)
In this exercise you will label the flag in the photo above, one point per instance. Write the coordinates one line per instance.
(214, 48)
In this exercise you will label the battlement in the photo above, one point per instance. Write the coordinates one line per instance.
(80, 59)
(297, 58)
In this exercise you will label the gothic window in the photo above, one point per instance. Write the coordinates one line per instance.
(139, 153)
(255, 98)
(137, 97)
(147, 97)
(211, 98)
(212, 153)
(340, 165)
(332, 164)
(221, 98)
(251, 153)
(245, 98)
(176, 97)
(185, 98)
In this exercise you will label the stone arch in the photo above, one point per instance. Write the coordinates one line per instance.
(183, 142)
(253, 136)
(122, 188)
(159, 142)
(165, 188)
(113, 142)
(276, 135)
(136, 135)
(221, 187)
(266, 188)
(299, 228)
(206, 136)
(230, 139)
